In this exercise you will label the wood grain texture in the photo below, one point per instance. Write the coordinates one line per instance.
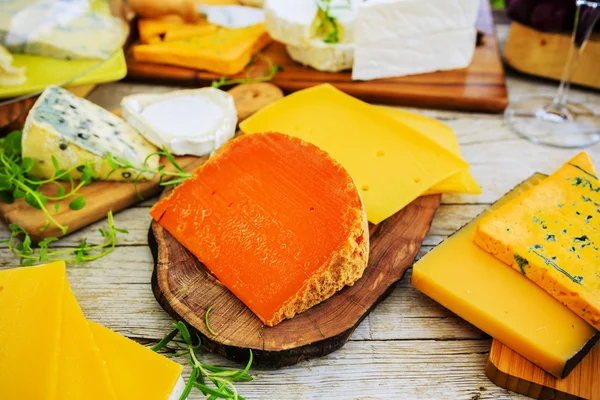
(544, 54)
(186, 289)
(480, 87)
(509, 370)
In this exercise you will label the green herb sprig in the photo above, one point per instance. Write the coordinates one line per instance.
(329, 28)
(206, 321)
(223, 379)
(267, 76)
(84, 252)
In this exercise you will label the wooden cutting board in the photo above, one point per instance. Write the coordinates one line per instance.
(186, 289)
(480, 87)
(509, 370)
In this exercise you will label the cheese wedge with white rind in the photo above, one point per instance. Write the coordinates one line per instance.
(193, 122)
(323, 56)
(77, 133)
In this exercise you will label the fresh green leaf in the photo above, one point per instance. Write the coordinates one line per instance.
(35, 200)
(5, 183)
(27, 164)
(12, 143)
(78, 203)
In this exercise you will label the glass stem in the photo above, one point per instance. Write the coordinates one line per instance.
(575, 51)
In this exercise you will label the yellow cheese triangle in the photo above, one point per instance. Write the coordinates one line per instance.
(31, 310)
(463, 181)
(136, 372)
(391, 163)
(82, 373)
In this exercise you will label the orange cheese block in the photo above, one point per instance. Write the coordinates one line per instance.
(277, 220)
(170, 28)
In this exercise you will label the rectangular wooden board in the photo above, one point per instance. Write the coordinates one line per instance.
(480, 87)
(509, 370)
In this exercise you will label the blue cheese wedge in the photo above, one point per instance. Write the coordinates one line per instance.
(185, 122)
(77, 133)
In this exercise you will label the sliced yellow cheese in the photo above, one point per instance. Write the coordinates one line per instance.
(170, 28)
(31, 310)
(82, 373)
(462, 182)
(551, 234)
(136, 372)
(391, 163)
(226, 51)
(501, 302)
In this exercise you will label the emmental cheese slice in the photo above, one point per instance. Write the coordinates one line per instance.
(391, 163)
(31, 304)
(551, 235)
(501, 302)
(462, 182)
(279, 222)
(226, 51)
(82, 373)
(136, 372)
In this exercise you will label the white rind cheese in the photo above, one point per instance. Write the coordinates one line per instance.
(64, 29)
(77, 133)
(322, 56)
(9, 74)
(186, 122)
(414, 55)
(290, 21)
(178, 389)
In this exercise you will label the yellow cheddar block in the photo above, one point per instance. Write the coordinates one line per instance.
(500, 301)
(82, 373)
(31, 310)
(551, 234)
(136, 372)
(391, 163)
(171, 28)
(226, 51)
(463, 181)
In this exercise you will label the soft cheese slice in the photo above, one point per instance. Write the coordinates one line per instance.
(31, 300)
(323, 56)
(551, 234)
(136, 372)
(462, 182)
(501, 302)
(391, 163)
(227, 51)
(413, 55)
(279, 222)
(193, 122)
(82, 373)
(77, 132)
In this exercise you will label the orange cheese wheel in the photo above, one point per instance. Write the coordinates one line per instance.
(278, 221)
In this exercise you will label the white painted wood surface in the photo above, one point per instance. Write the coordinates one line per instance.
(409, 347)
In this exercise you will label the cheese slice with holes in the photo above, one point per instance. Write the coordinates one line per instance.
(551, 234)
(391, 163)
(278, 221)
(500, 301)
(31, 304)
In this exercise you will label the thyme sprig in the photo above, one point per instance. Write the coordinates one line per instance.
(28, 255)
(329, 28)
(267, 75)
(222, 379)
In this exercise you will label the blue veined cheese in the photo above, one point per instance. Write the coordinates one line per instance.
(64, 29)
(78, 132)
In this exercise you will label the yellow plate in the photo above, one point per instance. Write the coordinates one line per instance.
(44, 71)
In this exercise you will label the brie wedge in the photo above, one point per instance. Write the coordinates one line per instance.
(186, 122)
(233, 16)
(9, 74)
(322, 56)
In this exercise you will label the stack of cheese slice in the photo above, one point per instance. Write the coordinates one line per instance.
(542, 229)
(44, 335)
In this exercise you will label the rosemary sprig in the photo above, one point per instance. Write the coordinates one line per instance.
(84, 252)
(206, 321)
(267, 76)
(222, 379)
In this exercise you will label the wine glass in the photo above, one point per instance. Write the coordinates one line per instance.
(555, 121)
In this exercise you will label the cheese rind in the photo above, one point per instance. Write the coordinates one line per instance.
(10, 75)
(391, 163)
(193, 122)
(498, 300)
(462, 182)
(551, 234)
(279, 222)
(31, 304)
(77, 132)
(323, 56)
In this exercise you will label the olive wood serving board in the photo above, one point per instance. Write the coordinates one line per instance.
(480, 87)
(185, 288)
(509, 370)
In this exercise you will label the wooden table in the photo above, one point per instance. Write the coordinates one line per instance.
(409, 347)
